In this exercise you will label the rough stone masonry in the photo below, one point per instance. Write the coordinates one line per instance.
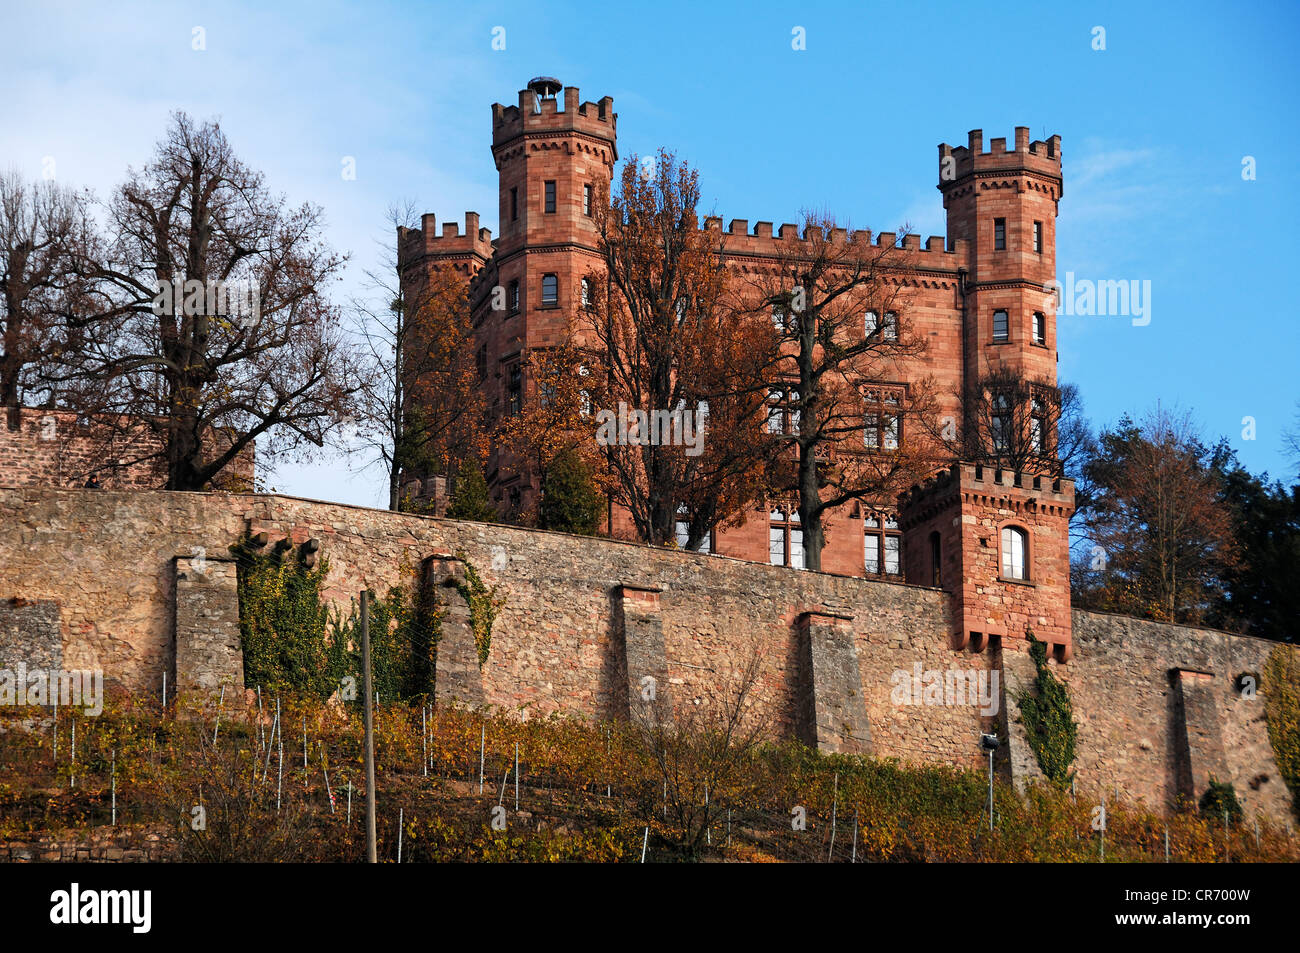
(586, 619)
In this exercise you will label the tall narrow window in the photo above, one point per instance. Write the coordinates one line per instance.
(1000, 423)
(1000, 325)
(893, 548)
(550, 196)
(1038, 425)
(936, 575)
(871, 544)
(514, 204)
(890, 330)
(1038, 237)
(586, 292)
(999, 234)
(513, 297)
(550, 290)
(514, 390)
(1040, 332)
(871, 321)
(586, 200)
(1013, 553)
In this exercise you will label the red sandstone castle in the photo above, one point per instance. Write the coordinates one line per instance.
(996, 538)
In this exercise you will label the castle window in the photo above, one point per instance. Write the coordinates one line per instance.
(550, 196)
(684, 533)
(882, 419)
(999, 234)
(586, 292)
(1038, 425)
(514, 204)
(890, 331)
(936, 578)
(550, 290)
(1015, 545)
(1040, 330)
(782, 414)
(1000, 423)
(1000, 326)
(584, 403)
(881, 545)
(512, 297)
(871, 322)
(586, 200)
(785, 538)
(1038, 237)
(514, 390)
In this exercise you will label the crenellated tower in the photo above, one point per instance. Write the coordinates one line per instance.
(1004, 204)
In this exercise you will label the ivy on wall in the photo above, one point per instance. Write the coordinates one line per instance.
(1220, 800)
(1281, 685)
(484, 607)
(289, 640)
(1048, 718)
(293, 641)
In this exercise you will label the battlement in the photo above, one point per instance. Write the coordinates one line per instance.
(988, 485)
(762, 241)
(539, 111)
(414, 243)
(1039, 157)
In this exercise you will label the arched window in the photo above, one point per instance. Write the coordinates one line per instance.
(1015, 546)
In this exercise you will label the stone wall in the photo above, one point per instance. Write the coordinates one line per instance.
(587, 619)
(61, 448)
(99, 845)
(1145, 691)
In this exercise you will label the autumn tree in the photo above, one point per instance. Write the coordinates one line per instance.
(663, 340)
(839, 332)
(419, 404)
(1159, 535)
(212, 320)
(554, 422)
(47, 237)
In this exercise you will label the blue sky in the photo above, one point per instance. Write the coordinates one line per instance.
(1154, 131)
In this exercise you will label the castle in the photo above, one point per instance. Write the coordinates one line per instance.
(944, 584)
(997, 539)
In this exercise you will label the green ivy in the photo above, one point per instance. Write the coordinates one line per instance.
(1048, 718)
(289, 640)
(484, 606)
(293, 641)
(1220, 798)
(1281, 688)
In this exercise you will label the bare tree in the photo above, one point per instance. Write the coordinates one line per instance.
(212, 321)
(419, 405)
(46, 236)
(703, 749)
(840, 332)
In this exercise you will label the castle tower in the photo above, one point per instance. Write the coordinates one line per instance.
(999, 541)
(555, 160)
(1004, 203)
(997, 537)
